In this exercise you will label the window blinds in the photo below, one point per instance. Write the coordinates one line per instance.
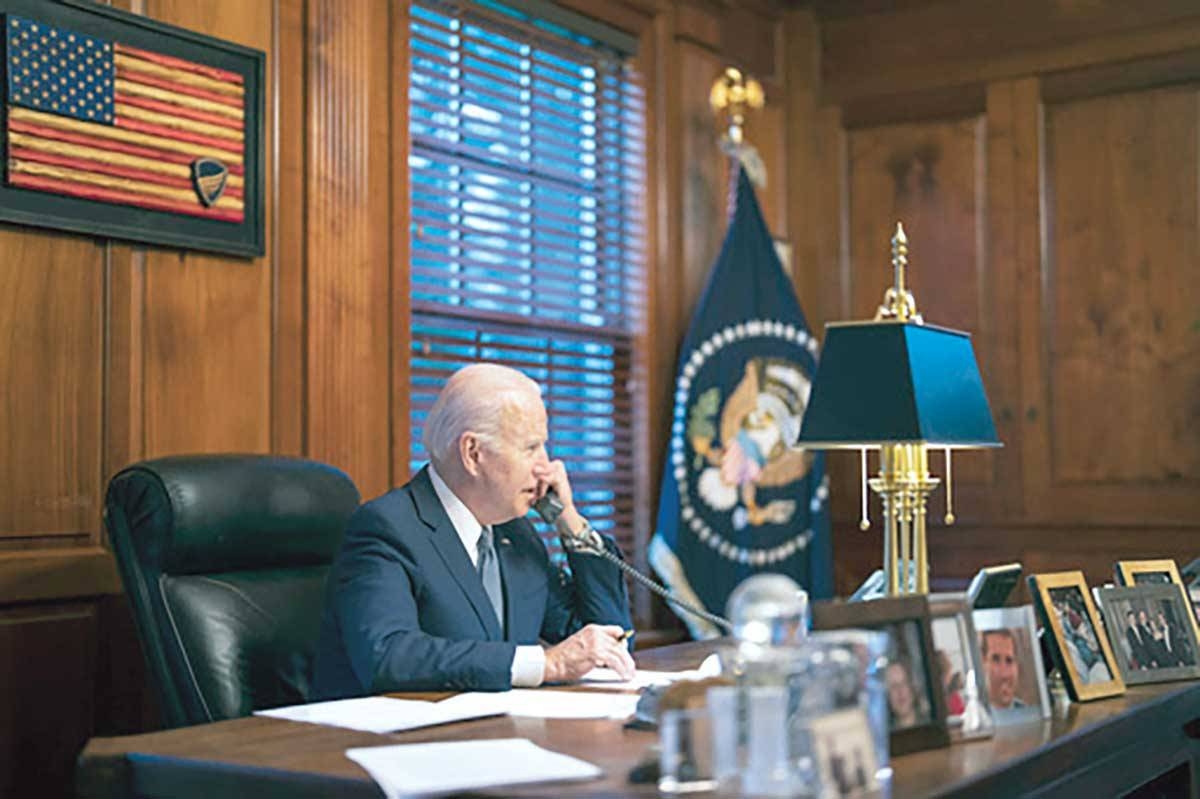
(527, 243)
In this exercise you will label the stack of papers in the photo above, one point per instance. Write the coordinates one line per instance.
(438, 767)
(382, 714)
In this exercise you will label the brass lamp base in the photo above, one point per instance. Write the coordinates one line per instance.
(904, 484)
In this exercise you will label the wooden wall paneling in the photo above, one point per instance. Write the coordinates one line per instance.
(1010, 195)
(1120, 354)
(855, 553)
(808, 196)
(208, 318)
(125, 703)
(705, 175)
(752, 38)
(699, 22)
(47, 661)
(915, 45)
(51, 311)
(49, 573)
(767, 131)
(349, 239)
(286, 77)
(124, 364)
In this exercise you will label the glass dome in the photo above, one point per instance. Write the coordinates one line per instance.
(769, 610)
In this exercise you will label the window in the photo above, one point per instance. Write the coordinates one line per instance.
(527, 246)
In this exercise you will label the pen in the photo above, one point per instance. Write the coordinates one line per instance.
(625, 636)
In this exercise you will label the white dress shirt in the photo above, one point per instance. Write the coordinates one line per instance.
(529, 662)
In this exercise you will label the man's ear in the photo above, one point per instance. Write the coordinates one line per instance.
(470, 448)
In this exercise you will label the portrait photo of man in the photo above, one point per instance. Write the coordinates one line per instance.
(1002, 669)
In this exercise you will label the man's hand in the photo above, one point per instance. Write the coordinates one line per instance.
(595, 645)
(554, 476)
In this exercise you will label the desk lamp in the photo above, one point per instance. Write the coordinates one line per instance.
(901, 386)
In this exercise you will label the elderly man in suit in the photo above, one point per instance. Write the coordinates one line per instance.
(443, 584)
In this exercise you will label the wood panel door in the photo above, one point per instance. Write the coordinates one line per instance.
(1112, 307)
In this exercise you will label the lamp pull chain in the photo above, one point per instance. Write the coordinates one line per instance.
(949, 518)
(864, 523)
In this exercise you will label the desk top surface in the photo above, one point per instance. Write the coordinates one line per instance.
(304, 759)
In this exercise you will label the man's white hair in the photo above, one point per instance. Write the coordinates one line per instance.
(474, 400)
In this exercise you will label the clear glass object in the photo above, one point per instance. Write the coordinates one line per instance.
(769, 610)
(685, 738)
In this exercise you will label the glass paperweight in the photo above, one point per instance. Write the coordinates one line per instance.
(769, 610)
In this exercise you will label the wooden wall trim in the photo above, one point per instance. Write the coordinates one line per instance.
(289, 183)
(401, 214)
(1098, 79)
(348, 239)
(56, 574)
(850, 75)
(124, 379)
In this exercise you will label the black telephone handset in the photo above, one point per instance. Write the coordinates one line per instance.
(550, 507)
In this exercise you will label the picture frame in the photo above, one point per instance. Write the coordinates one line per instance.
(844, 753)
(1151, 633)
(1162, 571)
(1139, 572)
(916, 705)
(1075, 635)
(176, 158)
(1013, 670)
(960, 666)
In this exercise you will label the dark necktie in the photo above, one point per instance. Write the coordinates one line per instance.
(489, 573)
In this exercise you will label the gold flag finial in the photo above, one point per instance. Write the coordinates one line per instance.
(898, 302)
(735, 93)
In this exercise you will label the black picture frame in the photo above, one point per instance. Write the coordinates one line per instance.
(886, 615)
(1136, 669)
(24, 206)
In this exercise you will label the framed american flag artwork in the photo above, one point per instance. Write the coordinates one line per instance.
(119, 126)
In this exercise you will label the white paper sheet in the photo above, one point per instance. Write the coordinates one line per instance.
(609, 680)
(407, 769)
(545, 703)
(381, 713)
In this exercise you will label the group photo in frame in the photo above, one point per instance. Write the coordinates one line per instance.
(1013, 672)
(1150, 629)
(960, 666)
(1162, 571)
(916, 706)
(1076, 636)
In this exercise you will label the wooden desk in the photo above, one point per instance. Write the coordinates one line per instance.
(1105, 748)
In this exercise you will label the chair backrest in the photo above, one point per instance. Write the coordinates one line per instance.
(224, 559)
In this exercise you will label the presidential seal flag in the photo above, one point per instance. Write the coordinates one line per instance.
(737, 497)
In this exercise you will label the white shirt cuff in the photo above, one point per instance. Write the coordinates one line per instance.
(528, 667)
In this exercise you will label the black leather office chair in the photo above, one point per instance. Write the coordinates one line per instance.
(224, 559)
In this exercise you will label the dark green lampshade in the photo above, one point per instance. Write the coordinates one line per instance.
(890, 382)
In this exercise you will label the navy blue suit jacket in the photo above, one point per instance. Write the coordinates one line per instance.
(406, 610)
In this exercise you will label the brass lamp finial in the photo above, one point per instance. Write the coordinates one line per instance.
(734, 93)
(898, 301)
